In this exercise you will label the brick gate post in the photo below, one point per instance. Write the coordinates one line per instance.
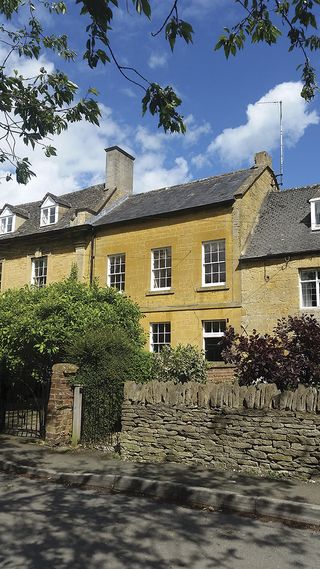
(60, 404)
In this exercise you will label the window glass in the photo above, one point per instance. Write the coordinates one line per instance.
(160, 336)
(161, 268)
(214, 263)
(213, 331)
(309, 283)
(39, 271)
(117, 271)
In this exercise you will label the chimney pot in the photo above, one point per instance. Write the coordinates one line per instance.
(263, 159)
(119, 172)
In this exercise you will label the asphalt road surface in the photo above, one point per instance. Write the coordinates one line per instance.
(44, 525)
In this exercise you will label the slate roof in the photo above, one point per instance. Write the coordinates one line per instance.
(90, 199)
(199, 193)
(284, 225)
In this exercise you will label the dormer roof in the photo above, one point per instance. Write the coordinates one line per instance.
(15, 210)
(59, 200)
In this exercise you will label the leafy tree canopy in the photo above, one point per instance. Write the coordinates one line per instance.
(37, 325)
(37, 107)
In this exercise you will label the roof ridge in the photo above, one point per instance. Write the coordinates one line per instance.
(309, 187)
(184, 184)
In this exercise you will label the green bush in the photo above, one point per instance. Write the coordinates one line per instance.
(36, 324)
(181, 364)
(106, 358)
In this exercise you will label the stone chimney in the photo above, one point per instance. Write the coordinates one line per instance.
(119, 173)
(263, 159)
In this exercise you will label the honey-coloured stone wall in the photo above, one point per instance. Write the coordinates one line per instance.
(256, 429)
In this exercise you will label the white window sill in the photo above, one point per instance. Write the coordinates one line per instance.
(160, 291)
(210, 288)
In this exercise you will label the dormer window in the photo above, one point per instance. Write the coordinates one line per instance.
(315, 213)
(49, 213)
(7, 221)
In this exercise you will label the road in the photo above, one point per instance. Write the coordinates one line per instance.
(45, 525)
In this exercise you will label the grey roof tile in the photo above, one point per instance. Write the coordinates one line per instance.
(284, 225)
(90, 199)
(199, 193)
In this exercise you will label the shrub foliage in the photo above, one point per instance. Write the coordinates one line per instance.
(287, 357)
(181, 364)
(37, 324)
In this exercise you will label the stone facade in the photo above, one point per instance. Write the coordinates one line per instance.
(224, 426)
(60, 405)
(271, 290)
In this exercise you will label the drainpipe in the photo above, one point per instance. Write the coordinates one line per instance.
(92, 243)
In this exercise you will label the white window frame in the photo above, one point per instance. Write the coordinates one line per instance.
(315, 204)
(4, 221)
(156, 270)
(317, 283)
(48, 213)
(112, 260)
(219, 263)
(219, 334)
(39, 280)
(156, 346)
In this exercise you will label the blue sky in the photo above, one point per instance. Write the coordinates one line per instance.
(222, 106)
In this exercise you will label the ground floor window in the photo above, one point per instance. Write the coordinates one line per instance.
(213, 331)
(310, 284)
(160, 336)
(39, 271)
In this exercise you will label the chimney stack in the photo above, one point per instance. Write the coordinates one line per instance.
(263, 159)
(119, 173)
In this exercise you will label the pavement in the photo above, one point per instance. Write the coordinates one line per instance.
(287, 500)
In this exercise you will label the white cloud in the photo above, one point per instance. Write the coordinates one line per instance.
(151, 173)
(158, 60)
(195, 130)
(150, 142)
(235, 146)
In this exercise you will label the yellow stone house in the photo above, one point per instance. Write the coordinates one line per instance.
(280, 265)
(182, 253)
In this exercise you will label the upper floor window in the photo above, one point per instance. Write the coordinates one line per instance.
(213, 331)
(7, 221)
(160, 336)
(49, 212)
(309, 286)
(39, 271)
(315, 213)
(214, 263)
(161, 268)
(117, 271)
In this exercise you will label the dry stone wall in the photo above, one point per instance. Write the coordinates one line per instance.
(224, 426)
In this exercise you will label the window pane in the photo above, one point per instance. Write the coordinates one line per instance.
(116, 274)
(214, 265)
(213, 348)
(308, 275)
(309, 294)
(160, 336)
(161, 268)
(317, 212)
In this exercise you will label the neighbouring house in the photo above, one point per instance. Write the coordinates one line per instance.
(175, 251)
(280, 265)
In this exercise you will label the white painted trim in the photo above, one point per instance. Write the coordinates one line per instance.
(220, 283)
(152, 287)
